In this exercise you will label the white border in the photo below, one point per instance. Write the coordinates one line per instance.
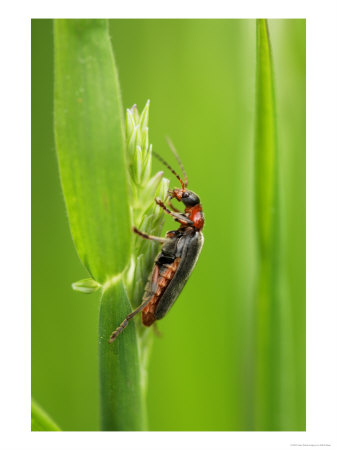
(321, 224)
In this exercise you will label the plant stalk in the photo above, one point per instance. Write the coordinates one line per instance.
(122, 388)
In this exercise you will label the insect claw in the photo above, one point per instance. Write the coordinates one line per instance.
(113, 337)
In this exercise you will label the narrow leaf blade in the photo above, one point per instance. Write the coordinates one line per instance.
(273, 371)
(90, 145)
(265, 137)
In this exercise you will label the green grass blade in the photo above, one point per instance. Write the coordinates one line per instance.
(269, 373)
(265, 141)
(122, 393)
(90, 145)
(41, 420)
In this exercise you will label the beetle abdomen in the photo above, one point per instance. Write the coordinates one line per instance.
(189, 247)
(165, 276)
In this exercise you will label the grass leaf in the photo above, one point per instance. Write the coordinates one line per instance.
(90, 145)
(268, 389)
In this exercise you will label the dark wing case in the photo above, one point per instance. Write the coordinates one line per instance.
(189, 248)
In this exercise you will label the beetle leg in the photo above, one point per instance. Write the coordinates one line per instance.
(155, 277)
(123, 325)
(149, 236)
(125, 322)
(177, 217)
(169, 201)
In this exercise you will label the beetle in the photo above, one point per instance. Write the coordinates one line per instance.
(177, 258)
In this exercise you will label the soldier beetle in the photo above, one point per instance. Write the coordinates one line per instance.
(178, 256)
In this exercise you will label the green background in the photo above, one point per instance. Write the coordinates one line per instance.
(200, 78)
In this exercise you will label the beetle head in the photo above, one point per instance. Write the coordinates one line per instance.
(189, 198)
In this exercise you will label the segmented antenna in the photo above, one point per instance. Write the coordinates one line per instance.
(174, 151)
(170, 168)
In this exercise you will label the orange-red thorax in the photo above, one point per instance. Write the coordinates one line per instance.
(195, 214)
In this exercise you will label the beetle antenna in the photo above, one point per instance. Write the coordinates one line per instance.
(174, 151)
(169, 167)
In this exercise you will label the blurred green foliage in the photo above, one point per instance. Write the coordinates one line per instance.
(200, 77)
(40, 420)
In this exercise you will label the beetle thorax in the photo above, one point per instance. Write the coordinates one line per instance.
(195, 214)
